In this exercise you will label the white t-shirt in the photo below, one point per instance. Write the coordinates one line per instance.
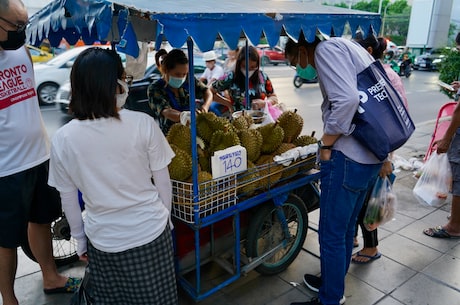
(111, 162)
(216, 73)
(24, 142)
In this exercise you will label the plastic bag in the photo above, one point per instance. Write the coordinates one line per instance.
(381, 205)
(274, 110)
(434, 184)
(267, 116)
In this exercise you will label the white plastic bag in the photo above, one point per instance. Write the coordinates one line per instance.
(434, 184)
(381, 205)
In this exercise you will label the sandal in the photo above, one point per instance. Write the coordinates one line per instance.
(70, 286)
(369, 257)
(439, 232)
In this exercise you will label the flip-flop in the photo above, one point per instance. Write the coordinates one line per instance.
(439, 232)
(70, 286)
(371, 258)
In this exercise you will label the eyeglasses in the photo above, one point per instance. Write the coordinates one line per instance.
(20, 27)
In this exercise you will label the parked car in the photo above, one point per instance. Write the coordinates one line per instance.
(429, 61)
(137, 97)
(53, 73)
(270, 55)
(39, 55)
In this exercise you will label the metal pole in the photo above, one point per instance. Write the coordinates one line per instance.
(383, 19)
(380, 7)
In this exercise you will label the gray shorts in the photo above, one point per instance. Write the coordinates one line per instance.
(454, 159)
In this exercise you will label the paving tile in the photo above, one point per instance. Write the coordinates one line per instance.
(258, 290)
(377, 273)
(423, 290)
(398, 222)
(414, 232)
(358, 292)
(26, 265)
(304, 263)
(455, 251)
(408, 252)
(445, 269)
(388, 301)
(293, 295)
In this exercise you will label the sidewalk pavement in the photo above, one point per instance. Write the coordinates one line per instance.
(414, 269)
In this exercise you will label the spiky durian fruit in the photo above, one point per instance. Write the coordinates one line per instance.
(205, 126)
(272, 136)
(269, 171)
(283, 148)
(292, 124)
(180, 167)
(244, 121)
(180, 136)
(291, 170)
(304, 140)
(247, 181)
(222, 139)
(204, 160)
(251, 139)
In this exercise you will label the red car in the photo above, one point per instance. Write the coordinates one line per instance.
(272, 56)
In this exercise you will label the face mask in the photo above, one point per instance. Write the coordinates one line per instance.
(306, 73)
(15, 40)
(251, 72)
(121, 97)
(176, 82)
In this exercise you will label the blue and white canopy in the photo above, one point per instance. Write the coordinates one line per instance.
(130, 21)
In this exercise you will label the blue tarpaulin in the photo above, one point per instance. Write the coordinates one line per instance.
(204, 21)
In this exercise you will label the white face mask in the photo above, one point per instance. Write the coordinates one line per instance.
(121, 97)
(251, 72)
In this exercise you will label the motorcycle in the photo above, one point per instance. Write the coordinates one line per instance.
(404, 67)
(298, 81)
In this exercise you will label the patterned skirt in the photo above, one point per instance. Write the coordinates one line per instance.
(143, 275)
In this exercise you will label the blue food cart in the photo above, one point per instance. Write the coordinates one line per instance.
(257, 219)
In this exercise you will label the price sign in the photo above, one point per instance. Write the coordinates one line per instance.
(229, 161)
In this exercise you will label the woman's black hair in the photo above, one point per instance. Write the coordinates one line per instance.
(240, 79)
(172, 59)
(457, 39)
(158, 55)
(93, 81)
(378, 45)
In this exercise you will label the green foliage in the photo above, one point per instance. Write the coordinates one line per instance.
(449, 70)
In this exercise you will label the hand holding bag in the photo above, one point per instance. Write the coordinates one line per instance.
(381, 206)
(382, 123)
(434, 184)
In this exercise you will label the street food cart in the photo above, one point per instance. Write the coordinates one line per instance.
(217, 222)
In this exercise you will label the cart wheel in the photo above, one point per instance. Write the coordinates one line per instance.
(297, 81)
(265, 232)
(64, 246)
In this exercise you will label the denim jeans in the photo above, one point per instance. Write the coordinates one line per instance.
(344, 184)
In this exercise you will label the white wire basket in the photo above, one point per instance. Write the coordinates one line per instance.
(213, 196)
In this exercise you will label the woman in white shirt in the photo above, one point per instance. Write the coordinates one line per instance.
(111, 155)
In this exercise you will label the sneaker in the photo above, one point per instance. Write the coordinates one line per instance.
(313, 282)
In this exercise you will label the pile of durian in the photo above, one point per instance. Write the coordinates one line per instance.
(261, 143)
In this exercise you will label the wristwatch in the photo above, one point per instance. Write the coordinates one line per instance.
(321, 146)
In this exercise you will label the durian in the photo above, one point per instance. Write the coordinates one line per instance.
(222, 139)
(180, 167)
(292, 170)
(305, 140)
(247, 181)
(251, 139)
(179, 135)
(272, 136)
(269, 171)
(292, 124)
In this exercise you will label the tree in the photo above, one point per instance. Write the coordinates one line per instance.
(449, 70)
